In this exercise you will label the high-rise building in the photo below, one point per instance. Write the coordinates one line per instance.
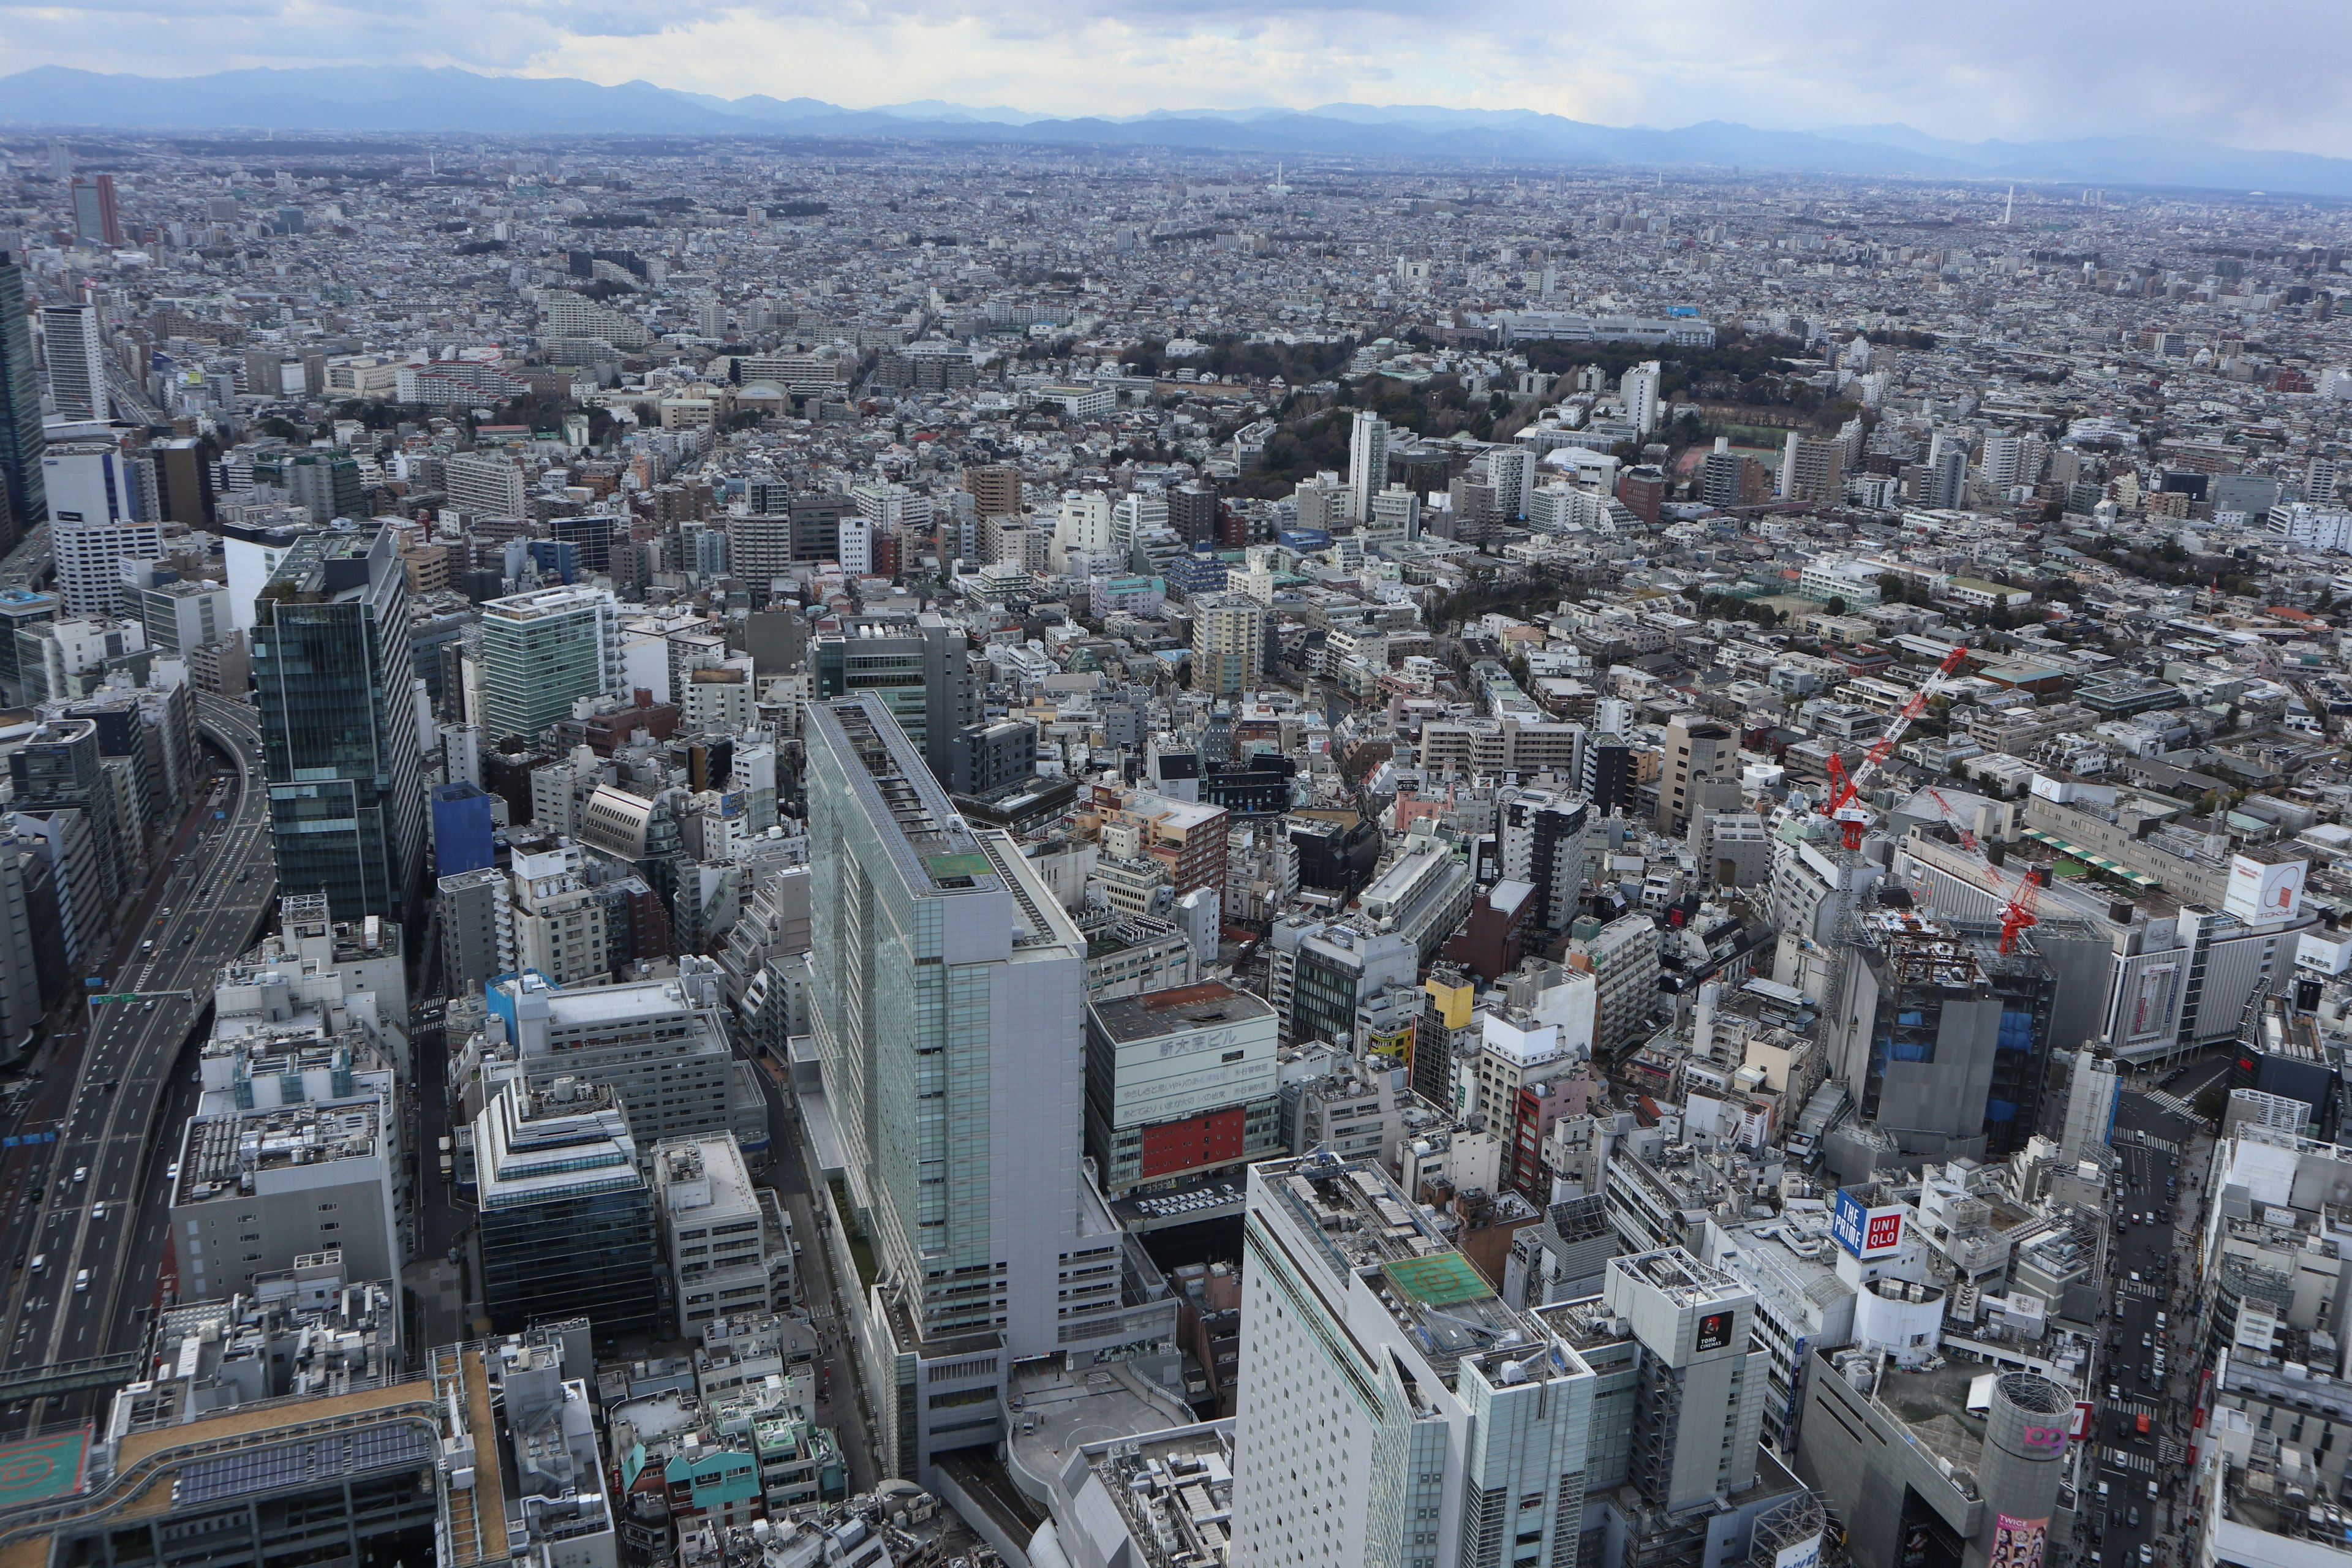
(180, 478)
(1543, 846)
(77, 356)
(484, 484)
(20, 407)
(1390, 1408)
(994, 489)
(339, 725)
(1228, 644)
(61, 766)
(1946, 481)
(93, 499)
(462, 830)
(477, 919)
(728, 1249)
(1811, 469)
(2090, 1102)
(1624, 958)
(1368, 463)
(1695, 755)
(96, 221)
(1724, 478)
(1638, 390)
(1179, 1085)
(1194, 508)
(947, 1005)
(919, 668)
(544, 650)
(567, 1219)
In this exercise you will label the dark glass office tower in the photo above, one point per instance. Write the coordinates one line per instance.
(20, 409)
(567, 1221)
(331, 667)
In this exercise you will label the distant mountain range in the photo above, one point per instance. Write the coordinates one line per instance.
(417, 100)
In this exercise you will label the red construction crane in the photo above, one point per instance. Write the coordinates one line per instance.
(1842, 805)
(1951, 814)
(2019, 913)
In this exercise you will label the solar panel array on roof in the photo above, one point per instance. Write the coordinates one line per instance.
(308, 1463)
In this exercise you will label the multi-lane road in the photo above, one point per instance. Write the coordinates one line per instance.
(2148, 1364)
(92, 1207)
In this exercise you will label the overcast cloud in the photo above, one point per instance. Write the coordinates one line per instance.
(2252, 75)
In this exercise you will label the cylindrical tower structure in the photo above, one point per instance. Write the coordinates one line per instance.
(2024, 1458)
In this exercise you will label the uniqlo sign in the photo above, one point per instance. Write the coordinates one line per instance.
(1865, 1232)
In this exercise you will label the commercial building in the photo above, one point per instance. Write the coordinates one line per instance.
(477, 919)
(340, 744)
(1180, 1085)
(660, 1043)
(729, 1247)
(96, 527)
(541, 652)
(1390, 1408)
(948, 1008)
(181, 617)
(1906, 1456)
(298, 1151)
(75, 347)
(463, 833)
(919, 669)
(567, 1220)
(21, 443)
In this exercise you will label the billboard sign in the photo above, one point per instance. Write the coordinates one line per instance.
(1805, 1553)
(2018, 1542)
(2265, 890)
(1714, 1332)
(1865, 1232)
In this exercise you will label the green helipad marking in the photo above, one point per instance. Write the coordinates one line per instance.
(1440, 1280)
(42, 1468)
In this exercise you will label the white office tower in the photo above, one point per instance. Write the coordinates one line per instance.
(76, 357)
(1082, 527)
(1511, 470)
(948, 1006)
(1368, 463)
(96, 526)
(2090, 1102)
(1138, 513)
(1639, 389)
(1391, 1409)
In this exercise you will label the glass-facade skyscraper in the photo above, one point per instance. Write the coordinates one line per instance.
(339, 739)
(567, 1217)
(541, 652)
(20, 409)
(948, 1005)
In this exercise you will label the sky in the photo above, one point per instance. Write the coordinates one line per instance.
(2260, 73)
